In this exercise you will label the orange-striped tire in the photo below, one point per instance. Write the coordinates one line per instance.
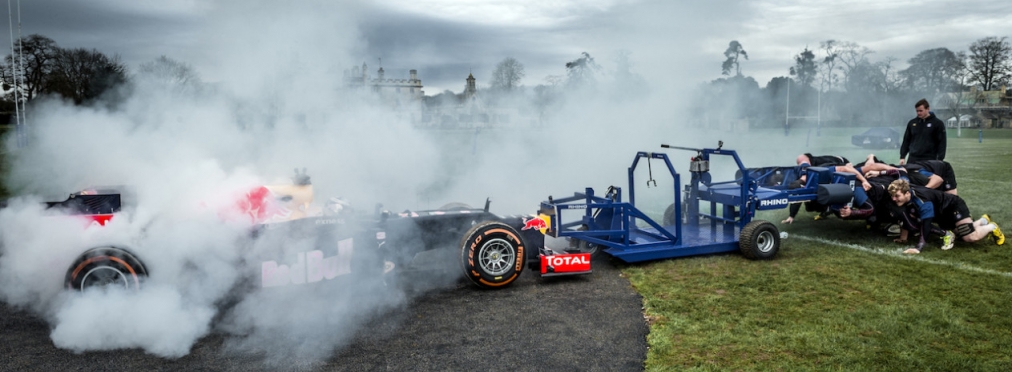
(492, 254)
(106, 266)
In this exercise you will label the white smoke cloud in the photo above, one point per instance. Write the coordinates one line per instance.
(274, 103)
(186, 157)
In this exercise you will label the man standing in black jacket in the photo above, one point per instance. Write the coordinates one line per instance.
(924, 138)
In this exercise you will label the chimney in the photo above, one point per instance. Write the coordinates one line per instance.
(414, 76)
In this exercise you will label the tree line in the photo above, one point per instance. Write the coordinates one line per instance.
(39, 68)
(839, 81)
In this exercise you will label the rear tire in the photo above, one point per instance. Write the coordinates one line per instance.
(759, 240)
(492, 254)
(106, 266)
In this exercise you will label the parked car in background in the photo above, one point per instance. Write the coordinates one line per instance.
(877, 138)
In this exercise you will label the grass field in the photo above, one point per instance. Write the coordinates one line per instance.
(840, 297)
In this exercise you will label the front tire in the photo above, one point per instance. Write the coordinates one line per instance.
(759, 240)
(492, 254)
(105, 266)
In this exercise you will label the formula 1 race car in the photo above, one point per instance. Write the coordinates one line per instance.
(492, 250)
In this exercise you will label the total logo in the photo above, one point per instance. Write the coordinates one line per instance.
(576, 263)
(773, 202)
(567, 260)
(541, 223)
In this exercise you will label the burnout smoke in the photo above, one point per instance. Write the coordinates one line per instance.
(188, 149)
(187, 154)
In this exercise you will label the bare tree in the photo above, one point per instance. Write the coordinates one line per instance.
(507, 74)
(892, 81)
(170, 73)
(851, 55)
(990, 62)
(36, 65)
(581, 70)
(960, 98)
(734, 50)
(82, 75)
(828, 67)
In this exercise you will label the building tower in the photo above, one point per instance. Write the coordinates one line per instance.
(469, 88)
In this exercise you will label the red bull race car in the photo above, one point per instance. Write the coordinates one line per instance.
(489, 249)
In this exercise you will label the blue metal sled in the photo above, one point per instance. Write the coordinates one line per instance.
(611, 223)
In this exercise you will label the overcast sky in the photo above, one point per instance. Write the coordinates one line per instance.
(447, 39)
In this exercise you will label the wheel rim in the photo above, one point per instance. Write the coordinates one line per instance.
(102, 276)
(496, 257)
(764, 241)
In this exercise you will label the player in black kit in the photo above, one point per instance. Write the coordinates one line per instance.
(921, 206)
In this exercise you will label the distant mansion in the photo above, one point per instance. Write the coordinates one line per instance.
(986, 109)
(467, 110)
(399, 93)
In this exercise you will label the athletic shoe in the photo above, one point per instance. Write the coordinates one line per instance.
(999, 238)
(948, 240)
(893, 230)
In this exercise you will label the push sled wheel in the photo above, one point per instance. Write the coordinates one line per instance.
(106, 266)
(492, 254)
(582, 246)
(759, 240)
(669, 216)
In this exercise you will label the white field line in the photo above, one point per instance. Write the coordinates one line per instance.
(898, 253)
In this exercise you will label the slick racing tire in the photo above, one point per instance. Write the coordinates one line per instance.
(106, 266)
(759, 240)
(455, 206)
(492, 254)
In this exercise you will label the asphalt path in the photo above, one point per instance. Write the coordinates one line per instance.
(580, 323)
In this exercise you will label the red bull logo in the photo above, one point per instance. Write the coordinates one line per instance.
(541, 223)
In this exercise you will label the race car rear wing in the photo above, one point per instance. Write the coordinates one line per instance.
(83, 204)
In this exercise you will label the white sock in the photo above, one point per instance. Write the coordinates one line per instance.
(989, 227)
(981, 222)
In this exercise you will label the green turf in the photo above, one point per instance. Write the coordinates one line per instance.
(840, 297)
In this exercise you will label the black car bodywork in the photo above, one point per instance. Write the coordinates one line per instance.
(490, 249)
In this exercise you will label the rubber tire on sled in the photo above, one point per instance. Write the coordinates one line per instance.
(105, 266)
(669, 216)
(759, 240)
(492, 254)
(582, 246)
